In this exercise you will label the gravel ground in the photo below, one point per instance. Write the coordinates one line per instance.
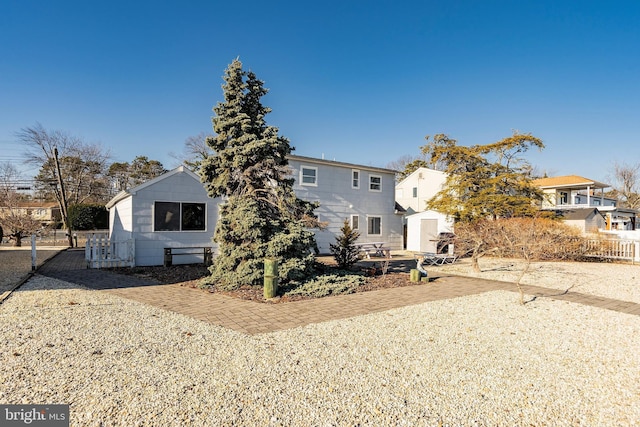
(610, 280)
(15, 263)
(477, 360)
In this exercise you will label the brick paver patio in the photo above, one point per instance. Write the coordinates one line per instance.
(254, 318)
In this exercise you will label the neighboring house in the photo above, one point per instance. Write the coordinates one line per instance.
(414, 191)
(573, 192)
(170, 211)
(588, 220)
(422, 227)
(48, 213)
(363, 195)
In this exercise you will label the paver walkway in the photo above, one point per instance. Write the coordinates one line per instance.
(255, 318)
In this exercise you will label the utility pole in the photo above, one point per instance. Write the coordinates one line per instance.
(63, 202)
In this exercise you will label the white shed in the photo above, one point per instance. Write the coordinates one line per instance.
(424, 228)
(170, 211)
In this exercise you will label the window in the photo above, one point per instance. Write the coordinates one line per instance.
(375, 183)
(193, 217)
(415, 192)
(308, 175)
(175, 216)
(373, 225)
(355, 222)
(355, 178)
(564, 198)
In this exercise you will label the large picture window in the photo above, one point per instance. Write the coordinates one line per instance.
(176, 216)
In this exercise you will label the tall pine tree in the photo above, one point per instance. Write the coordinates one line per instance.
(261, 216)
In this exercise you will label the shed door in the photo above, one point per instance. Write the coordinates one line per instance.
(428, 235)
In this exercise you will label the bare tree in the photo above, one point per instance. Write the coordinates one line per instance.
(537, 239)
(65, 161)
(17, 222)
(406, 164)
(531, 238)
(626, 186)
(195, 150)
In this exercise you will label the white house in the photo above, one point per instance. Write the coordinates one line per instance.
(174, 210)
(170, 211)
(364, 195)
(588, 220)
(573, 192)
(413, 192)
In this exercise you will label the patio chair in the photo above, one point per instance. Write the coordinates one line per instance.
(428, 258)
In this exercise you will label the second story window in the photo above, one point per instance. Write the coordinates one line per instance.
(355, 178)
(415, 192)
(308, 175)
(375, 183)
(564, 198)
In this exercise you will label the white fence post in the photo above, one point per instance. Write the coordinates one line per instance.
(614, 249)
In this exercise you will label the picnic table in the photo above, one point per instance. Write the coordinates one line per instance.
(374, 248)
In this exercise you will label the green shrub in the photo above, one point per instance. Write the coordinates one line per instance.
(331, 284)
(88, 217)
(344, 251)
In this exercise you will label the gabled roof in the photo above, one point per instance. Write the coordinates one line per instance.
(37, 205)
(420, 171)
(568, 181)
(130, 192)
(399, 208)
(341, 164)
(578, 214)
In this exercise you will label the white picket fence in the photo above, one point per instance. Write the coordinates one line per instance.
(101, 252)
(614, 249)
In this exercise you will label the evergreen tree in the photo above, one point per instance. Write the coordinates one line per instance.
(485, 181)
(261, 215)
(344, 251)
(125, 176)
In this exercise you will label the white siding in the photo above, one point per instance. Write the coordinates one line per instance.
(339, 200)
(445, 225)
(132, 216)
(120, 220)
(150, 244)
(413, 192)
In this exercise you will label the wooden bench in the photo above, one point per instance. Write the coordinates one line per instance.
(205, 251)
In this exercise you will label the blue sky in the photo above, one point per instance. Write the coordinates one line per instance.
(355, 81)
